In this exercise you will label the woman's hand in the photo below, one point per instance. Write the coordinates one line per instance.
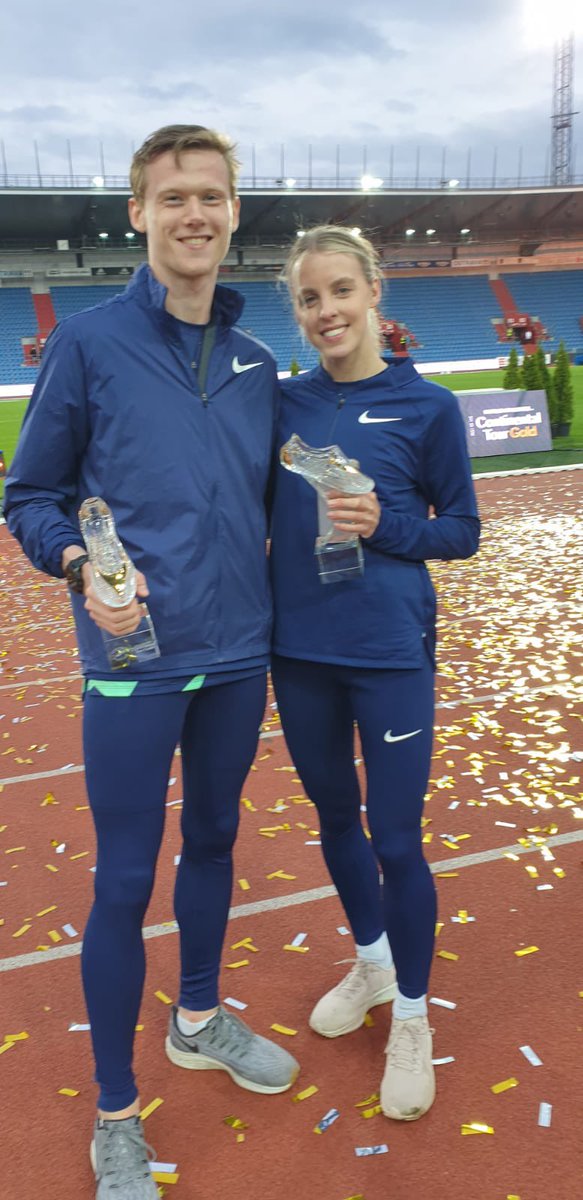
(354, 514)
(116, 621)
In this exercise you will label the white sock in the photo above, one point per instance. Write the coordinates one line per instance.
(378, 952)
(404, 1008)
(187, 1027)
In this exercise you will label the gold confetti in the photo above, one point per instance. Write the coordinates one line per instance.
(367, 1113)
(67, 1092)
(165, 1177)
(244, 885)
(476, 1127)
(280, 875)
(505, 1086)
(448, 954)
(19, 932)
(243, 962)
(54, 935)
(448, 875)
(45, 911)
(49, 799)
(369, 1100)
(305, 1095)
(15, 849)
(368, 1021)
(163, 997)
(284, 1029)
(50, 867)
(150, 1108)
(298, 949)
(527, 950)
(234, 1123)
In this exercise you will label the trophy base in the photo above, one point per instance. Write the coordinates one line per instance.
(136, 647)
(339, 561)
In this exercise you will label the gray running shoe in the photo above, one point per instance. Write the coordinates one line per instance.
(227, 1044)
(121, 1161)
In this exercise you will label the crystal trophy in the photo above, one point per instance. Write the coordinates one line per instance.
(339, 554)
(114, 580)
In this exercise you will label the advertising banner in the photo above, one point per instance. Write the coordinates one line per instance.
(505, 422)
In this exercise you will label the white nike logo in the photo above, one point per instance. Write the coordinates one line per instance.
(400, 737)
(238, 368)
(364, 419)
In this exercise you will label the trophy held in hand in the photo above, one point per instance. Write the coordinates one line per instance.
(339, 554)
(114, 581)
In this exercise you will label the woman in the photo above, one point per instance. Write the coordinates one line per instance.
(363, 649)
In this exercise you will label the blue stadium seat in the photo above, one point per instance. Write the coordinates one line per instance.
(556, 297)
(17, 320)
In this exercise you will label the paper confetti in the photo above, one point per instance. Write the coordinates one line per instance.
(442, 1003)
(150, 1108)
(327, 1121)
(365, 1151)
(234, 1003)
(505, 1086)
(529, 1054)
(545, 1113)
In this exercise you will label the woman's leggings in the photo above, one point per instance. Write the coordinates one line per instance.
(319, 703)
(129, 744)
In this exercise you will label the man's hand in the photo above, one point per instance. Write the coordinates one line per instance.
(115, 621)
(354, 514)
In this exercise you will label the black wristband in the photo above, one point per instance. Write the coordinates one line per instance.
(74, 573)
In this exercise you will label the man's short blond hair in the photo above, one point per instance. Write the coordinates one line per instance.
(177, 139)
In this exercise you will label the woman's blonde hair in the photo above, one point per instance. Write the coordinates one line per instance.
(334, 239)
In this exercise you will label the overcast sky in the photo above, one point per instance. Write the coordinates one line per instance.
(365, 76)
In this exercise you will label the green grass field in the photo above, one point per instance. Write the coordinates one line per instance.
(565, 450)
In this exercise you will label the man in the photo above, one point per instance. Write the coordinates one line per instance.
(158, 403)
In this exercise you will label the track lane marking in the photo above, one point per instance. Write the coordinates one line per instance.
(290, 901)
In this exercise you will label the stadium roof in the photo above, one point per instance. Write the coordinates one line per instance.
(34, 217)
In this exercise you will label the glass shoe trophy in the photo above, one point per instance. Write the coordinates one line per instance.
(114, 580)
(339, 554)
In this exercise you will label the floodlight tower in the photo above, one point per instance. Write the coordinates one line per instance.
(562, 118)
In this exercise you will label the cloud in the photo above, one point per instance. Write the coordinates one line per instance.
(36, 113)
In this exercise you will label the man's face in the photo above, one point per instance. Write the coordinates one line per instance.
(188, 215)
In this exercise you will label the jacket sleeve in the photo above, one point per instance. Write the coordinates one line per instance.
(41, 484)
(446, 483)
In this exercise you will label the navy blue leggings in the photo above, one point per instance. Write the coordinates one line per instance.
(129, 744)
(319, 703)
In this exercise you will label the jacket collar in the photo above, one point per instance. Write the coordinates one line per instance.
(401, 374)
(227, 304)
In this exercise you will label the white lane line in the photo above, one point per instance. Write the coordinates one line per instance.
(43, 775)
(291, 901)
(450, 705)
(26, 683)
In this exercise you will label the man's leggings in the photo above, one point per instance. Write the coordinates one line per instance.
(129, 744)
(319, 703)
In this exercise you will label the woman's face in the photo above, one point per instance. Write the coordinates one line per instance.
(333, 300)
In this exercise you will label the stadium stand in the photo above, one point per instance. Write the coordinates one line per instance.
(17, 320)
(451, 317)
(556, 297)
(69, 300)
